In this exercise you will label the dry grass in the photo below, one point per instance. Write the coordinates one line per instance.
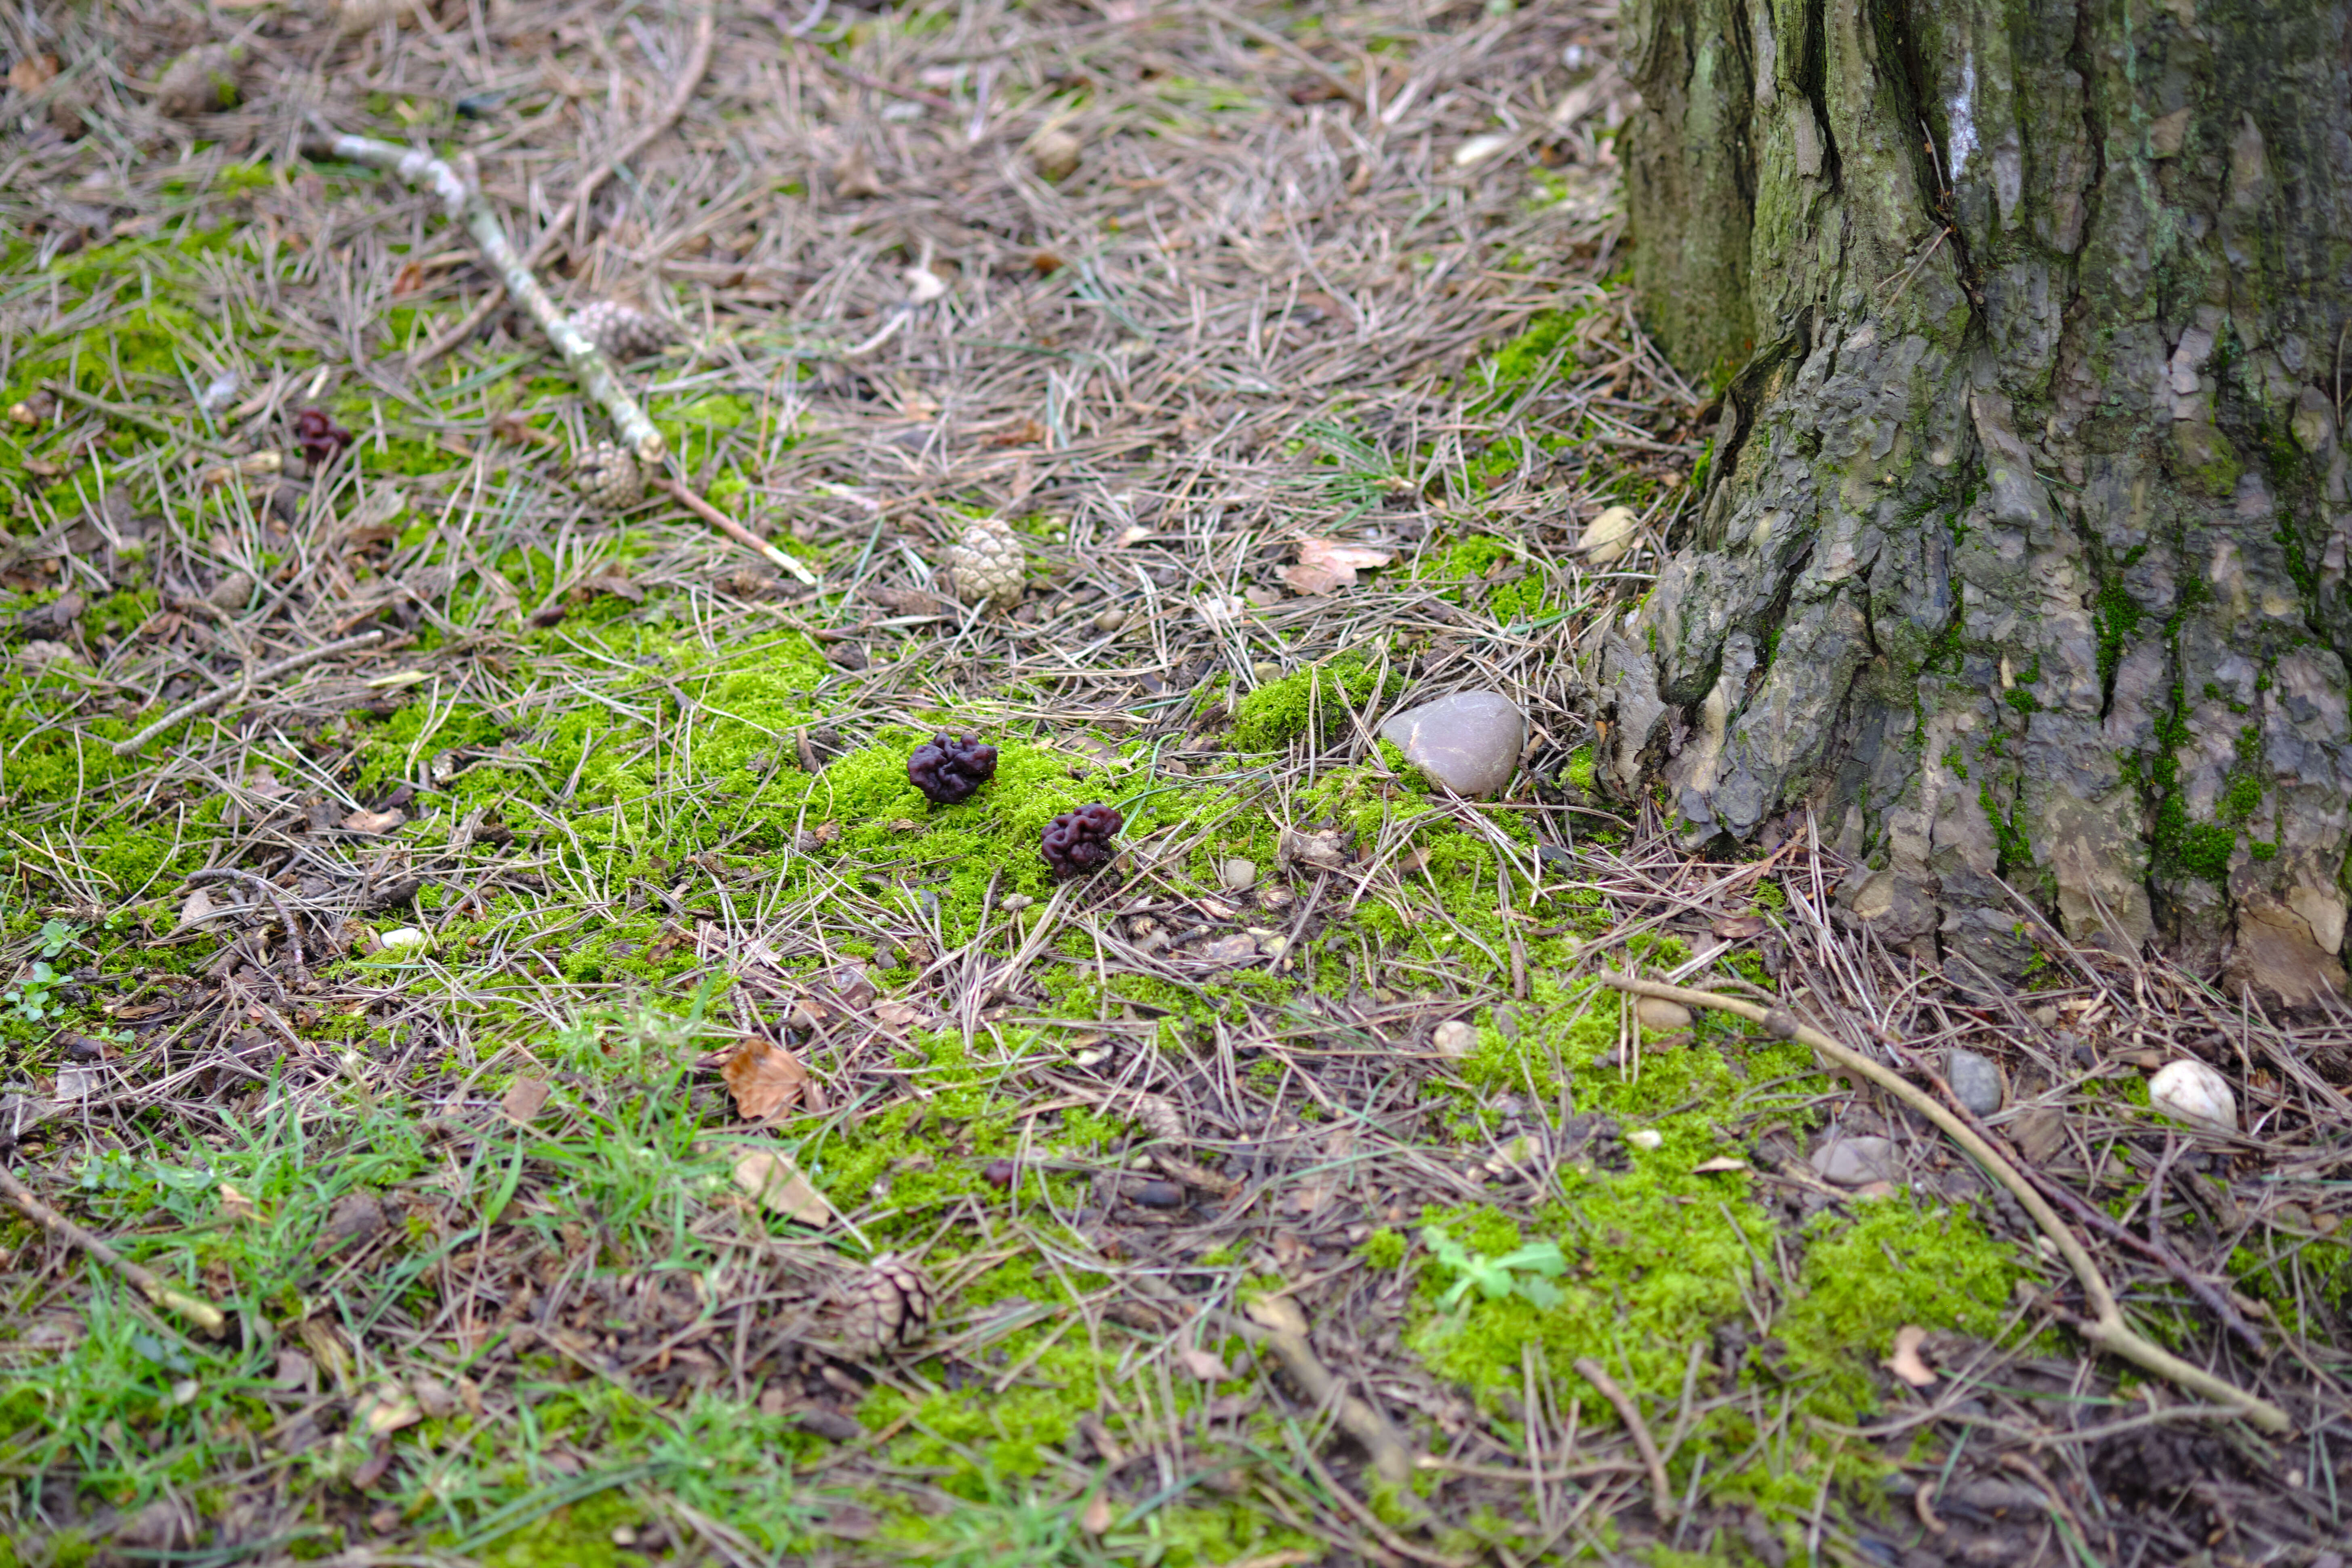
(1262, 308)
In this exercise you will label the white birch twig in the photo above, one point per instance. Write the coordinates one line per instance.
(460, 190)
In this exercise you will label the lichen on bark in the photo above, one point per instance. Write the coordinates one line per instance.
(2022, 561)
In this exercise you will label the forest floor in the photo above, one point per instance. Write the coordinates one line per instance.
(621, 1120)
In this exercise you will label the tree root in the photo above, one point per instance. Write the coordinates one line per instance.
(268, 672)
(2106, 1327)
(202, 1313)
(698, 65)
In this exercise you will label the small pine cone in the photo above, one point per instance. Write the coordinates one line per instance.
(621, 331)
(985, 564)
(1157, 1115)
(888, 1306)
(607, 477)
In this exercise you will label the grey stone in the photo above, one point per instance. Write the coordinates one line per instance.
(1657, 1012)
(1854, 1162)
(1470, 742)
(1237, 873)
(1975, 1080)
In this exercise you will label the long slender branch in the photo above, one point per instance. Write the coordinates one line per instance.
(698, 65)
(2106, 1326)
(460, 190)
(203, 1313)
(218, 695)
(1661, 1492)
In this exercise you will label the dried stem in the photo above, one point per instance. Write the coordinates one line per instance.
(203, 1313)
(460, 190)
(2106, 1326)
(698, 65)
(1662, 1494)
(267, 673)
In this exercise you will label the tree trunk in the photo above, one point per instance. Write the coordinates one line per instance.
(2021, 558)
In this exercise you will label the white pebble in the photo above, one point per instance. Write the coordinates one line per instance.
(399, 938)
(1237, 873)
(1646, 1137)
(1455, 1038)
(2188, 1090)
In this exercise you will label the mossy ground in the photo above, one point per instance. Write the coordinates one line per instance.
(653, 800)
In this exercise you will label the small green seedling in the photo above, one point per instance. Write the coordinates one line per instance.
(1496, 1277)
(28, 1001)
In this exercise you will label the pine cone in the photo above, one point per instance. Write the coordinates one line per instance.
(606, 477)
(888, 1306)
(1158, 1115)
(621, 332)
(985, 566)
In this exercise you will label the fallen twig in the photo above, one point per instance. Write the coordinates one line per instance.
(1662, 1491)
(460, 189)
(2106, 1327)
(732, 529)
(218, 695)
(698, 65)
(1280, 1327)
(203, 1313)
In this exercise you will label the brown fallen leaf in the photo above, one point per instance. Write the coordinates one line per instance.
(365, 821)
(615, 582)
(1328, 564)
(33, 72)
(524, 1099)
(1098, 1516)
(386, 1410)
(409, 279)
(1905, 1362)
(235, 1205)
(1206, 1366)
(766, 1080)
(1738, 928)
(1720, 1163)
(897, 1015)
(776, 1184)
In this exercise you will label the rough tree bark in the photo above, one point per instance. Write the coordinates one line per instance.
(2021, 561)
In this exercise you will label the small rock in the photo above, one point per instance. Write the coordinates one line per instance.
(2188, 1090)
(1854, 1162)
(1237, 873)
(1469, 743)
(1646, 1137)
(1974, 1079)
(1237, 949)
(1607, 537)
(231, 592)
(1016, 902)
(404, 939)
(1455, 1038)
(1056, 154)
(1265, 669)
(1110, 620)
(1158, 1194)
(1657, 1012)
(2046, 1016)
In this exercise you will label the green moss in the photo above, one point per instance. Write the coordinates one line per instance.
(1279, 712)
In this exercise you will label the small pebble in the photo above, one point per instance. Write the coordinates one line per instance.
(401, 938)
(1237, 873)
(2188, 1090)
(1016, 902)
(1455, 1038)
(1158, 1195)
(1975, 1080)
(1469, 743)
(1265, 669)
(1854, 1162)
(624, 1536)
(1110, 620)
(1657, 1012)
(1646, 1137)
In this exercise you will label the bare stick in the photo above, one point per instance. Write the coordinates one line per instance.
(460, 190)
(698, 65)
(731, 528)
(268, 672)
(2106, 1327)
(1281, 1328)
(1662, 1494)
(202, 1313)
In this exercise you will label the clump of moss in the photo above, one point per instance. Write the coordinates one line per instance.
(1277, 712)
